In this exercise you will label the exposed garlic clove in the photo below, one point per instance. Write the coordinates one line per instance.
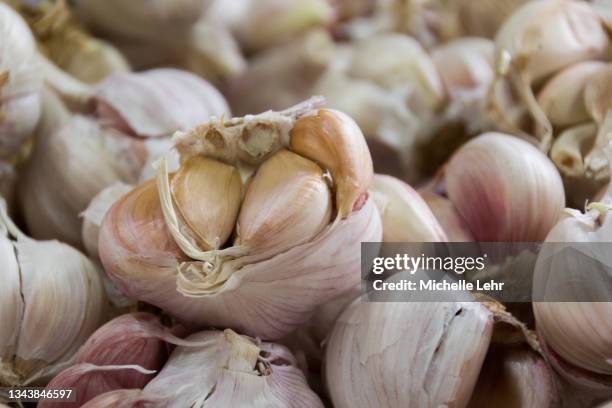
(571, 147)
(487, 182)
(207, 194)
(95, 212)
(20, 83)
(405, 216)
(540, 38)
(514, 377)
(51, 276)
(396, 60)
(231, 370)
(287, 203)
(270, 81)
(562, 98)
(398, 354)
(333, 139)
(180, 99)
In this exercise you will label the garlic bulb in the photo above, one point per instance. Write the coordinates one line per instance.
(124, 353)
(577, 330)
(537, 40)
(286, 240)
(505, 189)
(111, 145)
(43, 276)
(281, 76)
(406, 217)
(228, 370)
(166, 32)
(454, 226)
(20, 82)
(62, 39)
(425, 354)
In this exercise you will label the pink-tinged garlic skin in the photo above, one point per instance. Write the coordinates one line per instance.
(454, 226)
(136, 339)
(505, 189)
(157, 102)
(406, 217)
(20, 82)
(268, 299)
(405, 354)
(221, 376)
(562, 98)
(119, 399)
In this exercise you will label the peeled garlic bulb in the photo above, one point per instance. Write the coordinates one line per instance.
(287, 241)
(334, 140)
(207, 194)
(405, 216)
(287, 203)
(20, 82)
(228, 370)
(505, 189)
(40, 277)
(108, 147)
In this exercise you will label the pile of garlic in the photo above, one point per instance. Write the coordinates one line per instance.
(186, 188)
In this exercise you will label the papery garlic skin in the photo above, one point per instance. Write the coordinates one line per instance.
(453, 224)
(406, 217)
(396, 354)
(111, 146)
(51, 276)
(505, 189)
(20, 82)
(578, 331)
(232, 370)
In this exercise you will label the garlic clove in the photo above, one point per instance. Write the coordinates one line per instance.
(483, 18)
(505, 189)
(405, 215)
(287, 203)
(454, 226)
(562, 98)
(207, 194)
(570, 148)
(95, 212)
(333, 139)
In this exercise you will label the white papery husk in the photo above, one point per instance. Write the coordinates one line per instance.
(77, 156)
(20, 82)
(229, 371)
(267, 292)
(53, 300)
(537, 40)
(573, 317)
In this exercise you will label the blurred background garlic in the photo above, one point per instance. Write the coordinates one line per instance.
(301, 218)
(62, 39)
(538, 40)
(573, 283)
(166, 32)
(20, 83)
(486, 181)
(77, 155)
(52, 299)
(227, 370)
(411, 353)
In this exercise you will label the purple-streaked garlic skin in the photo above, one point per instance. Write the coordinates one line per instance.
(487, 182)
